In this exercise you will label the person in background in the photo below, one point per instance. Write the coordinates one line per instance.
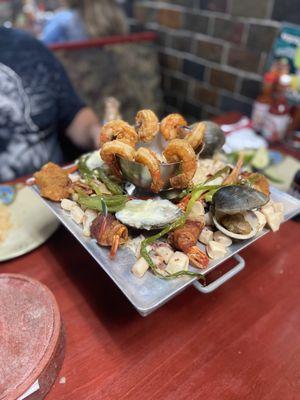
(102, 17)
(66, 25)
(37, 105)
(79, 20)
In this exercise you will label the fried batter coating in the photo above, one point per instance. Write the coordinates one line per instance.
(148, 158)
(119, 130)
(147, 125)
(170, 126)
(196, 135)
(181, 150)
(53, 182)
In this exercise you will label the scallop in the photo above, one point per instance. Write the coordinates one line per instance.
(149, 214)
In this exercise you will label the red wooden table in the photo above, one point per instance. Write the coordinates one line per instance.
(241, 342)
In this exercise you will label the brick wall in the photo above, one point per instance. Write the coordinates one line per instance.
(212, 52)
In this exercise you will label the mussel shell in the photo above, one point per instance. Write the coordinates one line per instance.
(238, 198)
(214, 139)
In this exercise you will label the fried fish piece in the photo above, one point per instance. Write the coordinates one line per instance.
(53, 182)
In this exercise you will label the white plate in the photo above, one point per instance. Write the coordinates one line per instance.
(32, 224)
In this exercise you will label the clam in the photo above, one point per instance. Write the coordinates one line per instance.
(241, 226)
(214, 139)
(238, 198)
(148, 214)
(232, 211)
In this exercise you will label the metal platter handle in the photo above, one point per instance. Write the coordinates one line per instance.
(224, 278)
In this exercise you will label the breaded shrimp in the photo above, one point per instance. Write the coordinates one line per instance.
(148, 158)
(147, 125)
(119, 130)
(110, 150)
(232, 178)
(195, 135)
(181, 150)
(170, 126)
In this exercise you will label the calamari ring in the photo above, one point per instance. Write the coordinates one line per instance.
(148, 158)
(119, 130)
(147, 125)
(180, 150)
(170, 126)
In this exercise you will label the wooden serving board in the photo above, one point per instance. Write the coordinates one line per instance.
(31, 338)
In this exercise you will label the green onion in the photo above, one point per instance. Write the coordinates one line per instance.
(82, 166)
(112, 186)
(144, 253)
(219, 173)
(209, 195)
(179, 222)
(95, 202)
(196, 192)
(88, 174)
(94, 186)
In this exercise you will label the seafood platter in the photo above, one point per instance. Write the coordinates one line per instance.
(158, 208)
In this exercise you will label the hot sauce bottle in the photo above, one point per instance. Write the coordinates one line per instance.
(263, 102)
(278, 117)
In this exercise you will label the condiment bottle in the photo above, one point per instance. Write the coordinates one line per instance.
(295, 186)
(263, 102)
(278, 117)
(294, 190)
(111, 109)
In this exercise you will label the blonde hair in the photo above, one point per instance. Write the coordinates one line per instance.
(101, 17)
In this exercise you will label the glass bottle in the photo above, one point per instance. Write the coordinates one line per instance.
(263, 102)
(294, 190)
(278, 117)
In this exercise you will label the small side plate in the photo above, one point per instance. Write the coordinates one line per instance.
(32, 223)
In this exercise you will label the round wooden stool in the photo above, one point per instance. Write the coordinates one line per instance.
(31, 338)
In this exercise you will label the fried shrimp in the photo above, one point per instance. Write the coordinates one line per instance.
(232, 178)
(195, 135)
(170, 126)
(148, 158)
(110, 150)
(147, 125)
(181, 150)
(119, 130)
(258, 181)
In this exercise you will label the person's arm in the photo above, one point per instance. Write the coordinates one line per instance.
(84, 130)
(74, 118)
